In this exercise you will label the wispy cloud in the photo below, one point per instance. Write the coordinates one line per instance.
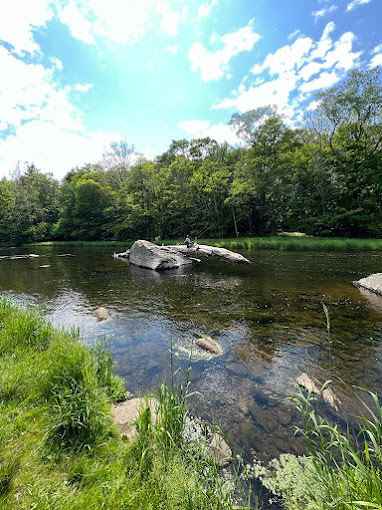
(376, 59)
(320, 13)
(294, 34)
(356, 3)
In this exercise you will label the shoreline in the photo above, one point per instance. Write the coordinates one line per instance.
(251, 243)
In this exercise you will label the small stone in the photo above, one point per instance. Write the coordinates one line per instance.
(210, 345)
(220, 450)
(102, 314)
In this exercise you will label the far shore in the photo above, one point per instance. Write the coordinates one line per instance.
(272, 242)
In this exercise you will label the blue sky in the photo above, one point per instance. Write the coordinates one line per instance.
(78, 74)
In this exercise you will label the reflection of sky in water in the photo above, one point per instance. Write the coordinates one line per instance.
(268, 318)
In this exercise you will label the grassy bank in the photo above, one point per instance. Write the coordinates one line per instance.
(58, 446)
(280, 243)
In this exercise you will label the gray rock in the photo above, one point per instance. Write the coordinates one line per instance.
(149, 255)
(372, 283)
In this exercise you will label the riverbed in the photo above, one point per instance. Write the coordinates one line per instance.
(267, 316)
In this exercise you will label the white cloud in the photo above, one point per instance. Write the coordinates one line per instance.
(202, 128)
(377, 57)
(76, 20)
(356, 3)
(19, 18)
(325, 80)
(376, 61)
(40, 123)
(324, 11)
(52, 148)
(214, 64)
(206, 8)
(120, 21)
(288, 77)
(342, 56)
(286, 58)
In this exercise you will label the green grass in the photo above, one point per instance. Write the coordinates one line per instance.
(280, 243)
(58, 446)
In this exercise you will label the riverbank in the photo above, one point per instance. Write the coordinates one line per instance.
(59, 448)
(279, 243)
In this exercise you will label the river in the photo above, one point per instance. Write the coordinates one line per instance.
(268, 317)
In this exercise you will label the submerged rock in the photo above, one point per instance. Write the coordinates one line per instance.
(102, 314)
(327, 394)
(220, 450)
(210, 345)
(372, 283)
(151, 256)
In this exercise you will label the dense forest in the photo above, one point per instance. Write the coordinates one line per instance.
(324, 178)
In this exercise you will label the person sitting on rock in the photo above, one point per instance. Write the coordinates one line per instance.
(189, 244)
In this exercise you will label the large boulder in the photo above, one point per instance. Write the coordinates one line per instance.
(152, 256)
(373, 283)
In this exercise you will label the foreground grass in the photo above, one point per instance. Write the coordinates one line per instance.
(280, 243)
(58, 447)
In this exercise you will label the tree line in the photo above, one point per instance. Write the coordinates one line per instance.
(324, 179)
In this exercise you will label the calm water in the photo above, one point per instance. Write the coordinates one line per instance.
(267, 316)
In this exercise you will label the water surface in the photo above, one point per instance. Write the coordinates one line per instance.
(267, 316)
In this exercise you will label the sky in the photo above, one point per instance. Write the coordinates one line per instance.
(76, 75)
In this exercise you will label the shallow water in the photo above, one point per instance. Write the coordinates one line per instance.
(267, 316)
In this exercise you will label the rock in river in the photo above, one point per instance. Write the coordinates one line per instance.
(210, 345)
(373, 283)
(152, 256)
(102, 314)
